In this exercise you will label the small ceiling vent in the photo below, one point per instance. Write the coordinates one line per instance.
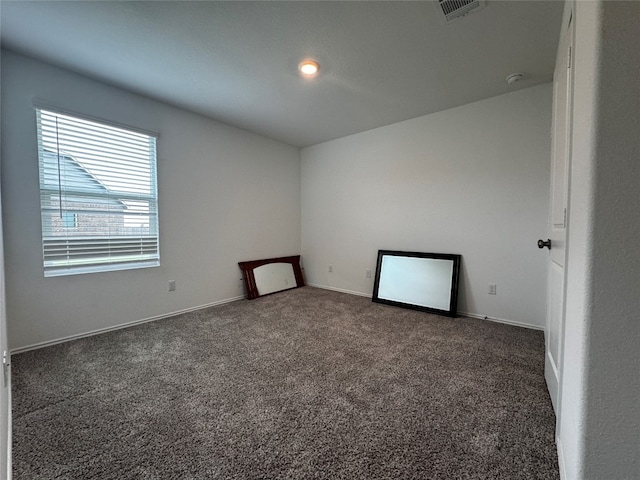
(450, 10)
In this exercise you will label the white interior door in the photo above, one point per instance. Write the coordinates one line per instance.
(560, 160)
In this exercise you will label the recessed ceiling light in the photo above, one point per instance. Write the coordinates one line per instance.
(308, 68)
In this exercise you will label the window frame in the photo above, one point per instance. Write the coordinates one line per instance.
(66, 251)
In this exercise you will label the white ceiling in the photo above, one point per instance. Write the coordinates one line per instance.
(381, 62)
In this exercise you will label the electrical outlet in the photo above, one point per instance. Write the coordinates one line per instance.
(172, 285)
(367, 273)
(492, 289)
(330, 268)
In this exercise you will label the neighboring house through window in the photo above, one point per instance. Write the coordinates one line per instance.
(98, 195)
(69, 219)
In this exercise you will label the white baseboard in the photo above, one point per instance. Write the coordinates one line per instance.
(342, 290)
(501, 320)
(229, 300)
(121, 326)
(462, 314)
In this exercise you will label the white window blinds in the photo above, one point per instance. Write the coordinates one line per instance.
(98, 195)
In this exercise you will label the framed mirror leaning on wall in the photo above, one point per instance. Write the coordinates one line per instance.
(271, 275)
(417, 280)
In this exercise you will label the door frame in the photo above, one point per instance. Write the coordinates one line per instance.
(5, 372)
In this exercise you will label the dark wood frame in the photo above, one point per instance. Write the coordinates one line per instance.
(250, 281)
(453, 297)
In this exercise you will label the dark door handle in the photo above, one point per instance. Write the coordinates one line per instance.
(542, 244)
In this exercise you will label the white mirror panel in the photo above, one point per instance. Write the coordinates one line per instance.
(418, 281)
(274, 277)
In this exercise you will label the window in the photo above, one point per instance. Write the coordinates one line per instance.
(98, 195)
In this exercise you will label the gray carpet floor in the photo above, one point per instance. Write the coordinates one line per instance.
(303, 384)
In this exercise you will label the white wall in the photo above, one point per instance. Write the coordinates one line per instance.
(472, 180)
(599, 431)
(225, 195)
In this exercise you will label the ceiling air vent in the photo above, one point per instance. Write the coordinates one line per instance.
(453, 9)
